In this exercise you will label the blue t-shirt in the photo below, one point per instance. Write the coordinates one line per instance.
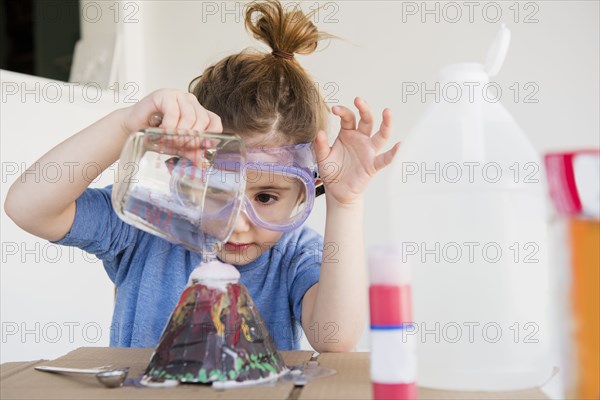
(150, 274)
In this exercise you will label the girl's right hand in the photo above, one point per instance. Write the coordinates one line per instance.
(180, 110)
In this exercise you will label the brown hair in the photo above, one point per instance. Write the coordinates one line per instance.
(268, 94)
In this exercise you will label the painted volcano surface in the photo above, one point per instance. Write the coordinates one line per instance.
(215, 335)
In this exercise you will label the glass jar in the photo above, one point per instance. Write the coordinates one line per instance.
(183, 186)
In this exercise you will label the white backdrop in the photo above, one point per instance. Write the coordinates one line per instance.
(52, 303)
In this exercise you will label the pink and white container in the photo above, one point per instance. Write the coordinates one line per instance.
(393, 339)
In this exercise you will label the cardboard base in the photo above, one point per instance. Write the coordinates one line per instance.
(21, 381)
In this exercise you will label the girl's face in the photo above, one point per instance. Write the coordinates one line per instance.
(279, 194)
(273, 197)
(247, 242)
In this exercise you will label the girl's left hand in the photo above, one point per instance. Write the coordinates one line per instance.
(347, 167)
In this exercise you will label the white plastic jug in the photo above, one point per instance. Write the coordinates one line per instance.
(468, 209)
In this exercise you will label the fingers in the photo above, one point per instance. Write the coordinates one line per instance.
(214, 124)
(205, 120)
(166, 102)
(348, 120)
(385, 130)
(321, 146)
(182, 111)
(385, 159)
(365, 125)
(187, 112)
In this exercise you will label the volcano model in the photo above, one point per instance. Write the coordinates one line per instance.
(215, 334)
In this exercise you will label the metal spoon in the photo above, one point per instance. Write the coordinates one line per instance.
(110, 378)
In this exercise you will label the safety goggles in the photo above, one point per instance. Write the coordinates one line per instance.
(281, 185)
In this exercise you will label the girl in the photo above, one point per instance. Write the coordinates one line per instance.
(269, 100)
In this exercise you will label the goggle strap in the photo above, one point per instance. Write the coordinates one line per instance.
(319, 190)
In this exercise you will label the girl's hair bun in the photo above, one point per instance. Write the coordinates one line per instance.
(285, 31)
(269, 98)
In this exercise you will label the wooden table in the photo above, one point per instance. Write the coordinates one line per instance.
(18, 380)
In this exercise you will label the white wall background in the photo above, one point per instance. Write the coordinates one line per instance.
(382, 46)
(52, 298)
